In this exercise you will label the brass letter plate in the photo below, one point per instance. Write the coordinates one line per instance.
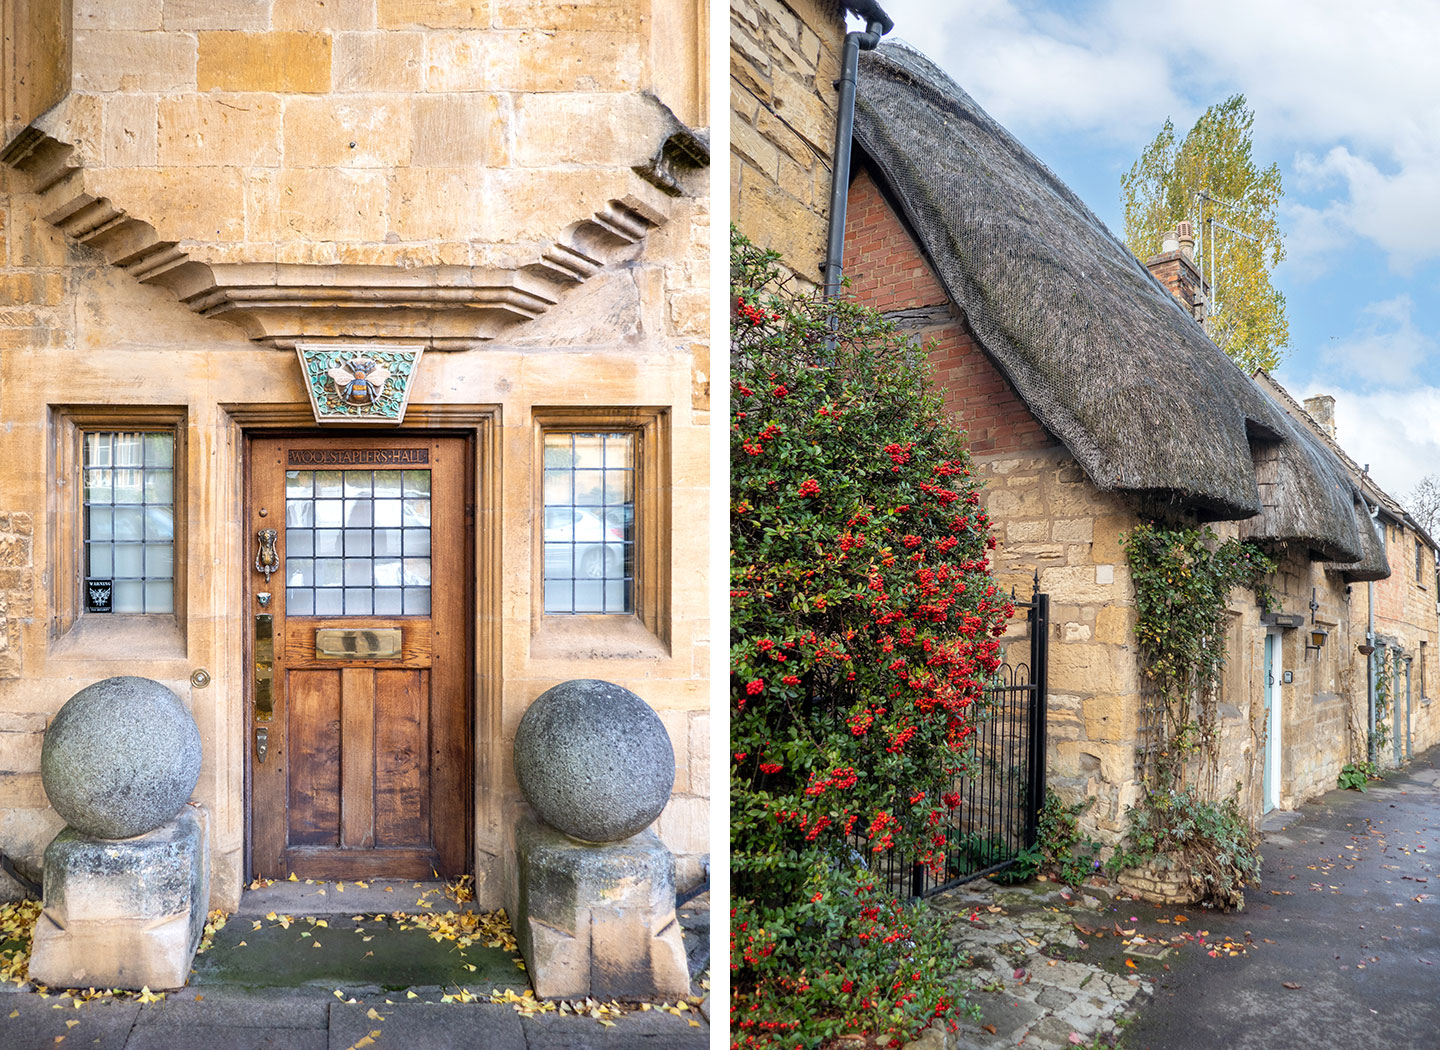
(264, 666)
(357, 643)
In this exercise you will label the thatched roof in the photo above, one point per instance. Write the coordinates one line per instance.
(1100, 351)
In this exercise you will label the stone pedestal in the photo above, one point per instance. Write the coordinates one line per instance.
(599, 920)
(124, 913)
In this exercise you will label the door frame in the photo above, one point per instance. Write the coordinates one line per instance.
(479, 427)
(1270, 766)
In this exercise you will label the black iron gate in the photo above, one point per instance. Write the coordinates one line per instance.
(1002, 786)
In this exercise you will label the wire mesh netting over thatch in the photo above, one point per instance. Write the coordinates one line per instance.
(1099, 350)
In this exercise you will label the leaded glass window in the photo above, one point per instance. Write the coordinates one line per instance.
(129, 510)
(589, 522)
(357, 542)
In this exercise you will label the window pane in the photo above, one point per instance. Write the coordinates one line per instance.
(589, 522)
(129, 520)
(359, 549)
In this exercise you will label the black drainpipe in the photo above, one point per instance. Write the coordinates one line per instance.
(877, 24)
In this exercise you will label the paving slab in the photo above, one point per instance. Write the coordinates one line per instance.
(212, 1037)
(28, 1022)
(417, 1026)
(238, 1008)
(652, 1030)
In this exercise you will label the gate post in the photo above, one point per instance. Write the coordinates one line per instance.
(1039, 618)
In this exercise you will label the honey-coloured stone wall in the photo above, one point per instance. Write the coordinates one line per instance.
(466, 144)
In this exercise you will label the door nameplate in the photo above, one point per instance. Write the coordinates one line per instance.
(358, 457)
(357, 643)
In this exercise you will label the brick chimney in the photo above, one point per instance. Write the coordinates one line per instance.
(1175, 268)
(1322, 410)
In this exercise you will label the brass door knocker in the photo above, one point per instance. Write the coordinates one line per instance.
(267, 559)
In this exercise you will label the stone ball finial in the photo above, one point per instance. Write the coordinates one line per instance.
(120, 758)
(594, 760)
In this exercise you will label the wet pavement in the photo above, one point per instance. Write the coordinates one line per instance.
(1339, 945)
(1347, 932)
(352, 966)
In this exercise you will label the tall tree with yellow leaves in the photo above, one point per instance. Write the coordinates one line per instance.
(1211, 179)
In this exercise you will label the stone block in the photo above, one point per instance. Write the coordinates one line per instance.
(598, 920)
(379, 61)
(20, 752)
(322, 15)
(458, 131)
(106, 14)
(281, 60)
(371, 131)
(1115, 625)
(220, 129)
(586, 128)
(124, 913)
(122, 60)
(248, 15)
(433, 14)
(456, 61)
(700, 754)
(601, 15)
(335, 205)
(1073, 530)
(129, 131)
(684, 824)
(543, 61)
(201, 204)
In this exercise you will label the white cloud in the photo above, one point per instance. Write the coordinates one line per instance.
(1396, 211)
(1386, 351)
(1356, 86)
(1397, 432)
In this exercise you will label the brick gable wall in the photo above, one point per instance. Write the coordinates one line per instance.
(889, 272)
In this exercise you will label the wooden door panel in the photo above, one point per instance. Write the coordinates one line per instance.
(370, 768)
(402, 720)
(314, 731)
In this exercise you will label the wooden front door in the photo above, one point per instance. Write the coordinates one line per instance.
(366, 765)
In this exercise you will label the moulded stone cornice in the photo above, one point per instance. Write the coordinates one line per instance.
(445, 307)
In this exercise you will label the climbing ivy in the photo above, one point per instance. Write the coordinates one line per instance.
(1183, 578)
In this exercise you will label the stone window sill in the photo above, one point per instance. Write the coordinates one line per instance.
(121, 638)
(595, 638)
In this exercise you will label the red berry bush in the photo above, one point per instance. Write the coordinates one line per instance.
(863, 628)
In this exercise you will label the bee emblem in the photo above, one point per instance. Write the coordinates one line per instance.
(359, 381)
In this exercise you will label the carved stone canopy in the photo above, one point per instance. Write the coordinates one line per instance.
(284, 304)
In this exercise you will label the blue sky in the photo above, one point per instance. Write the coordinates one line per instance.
(1346, 100)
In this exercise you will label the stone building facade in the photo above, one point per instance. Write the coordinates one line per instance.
(191, 190)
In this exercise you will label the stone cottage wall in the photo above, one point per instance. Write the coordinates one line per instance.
(1405, 616)
(784, 58)
(1047, 517)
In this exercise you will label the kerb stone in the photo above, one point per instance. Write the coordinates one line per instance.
(599, 921)
(124, 914)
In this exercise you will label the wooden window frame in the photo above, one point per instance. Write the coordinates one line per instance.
(66, 518)
(651, 428)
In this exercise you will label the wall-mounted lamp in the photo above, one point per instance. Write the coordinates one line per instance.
(1318, 634)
